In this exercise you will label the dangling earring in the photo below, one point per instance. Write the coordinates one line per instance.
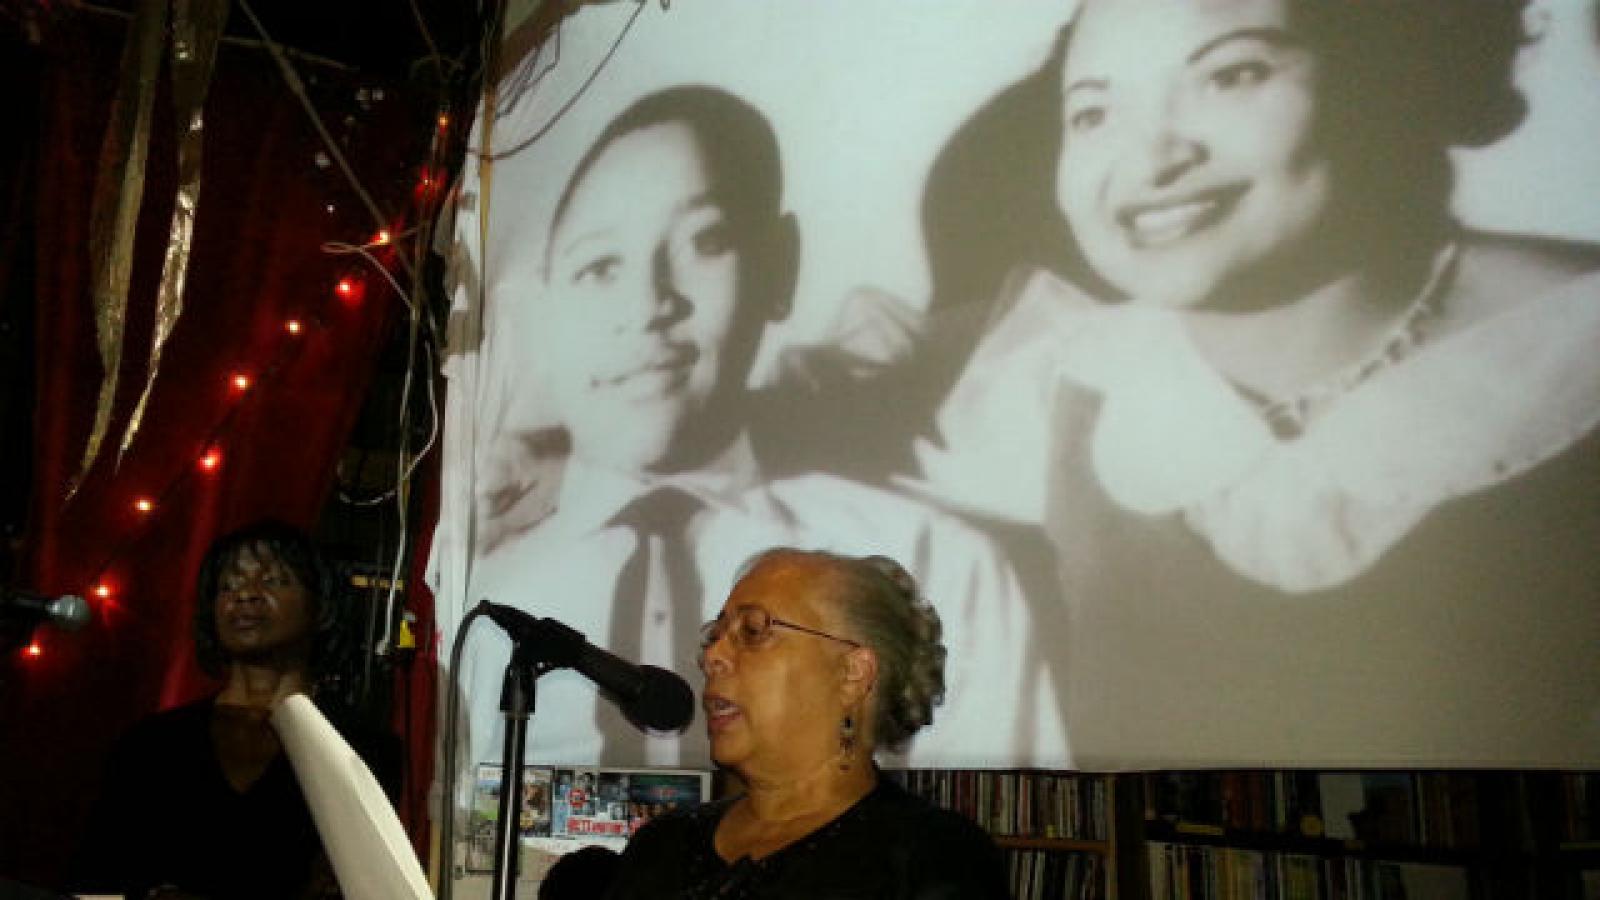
(847, 742)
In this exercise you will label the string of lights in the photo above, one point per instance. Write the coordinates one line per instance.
(380, 253)
(244, 384)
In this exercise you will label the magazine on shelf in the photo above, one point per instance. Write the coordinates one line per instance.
(655, 792)
(589, 805)
(571, 806)
(481, 819)
(536, 802)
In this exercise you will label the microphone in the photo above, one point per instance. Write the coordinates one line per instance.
(68, 613)
(650, 696)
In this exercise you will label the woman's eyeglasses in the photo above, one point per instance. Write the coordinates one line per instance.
(751, 626)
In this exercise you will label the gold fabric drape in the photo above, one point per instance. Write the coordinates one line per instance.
(114, 209)
(196, 30)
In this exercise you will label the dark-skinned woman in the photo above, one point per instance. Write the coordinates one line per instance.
(200, 801)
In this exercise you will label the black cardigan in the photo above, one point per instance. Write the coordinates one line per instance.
(168, 816)
(890, 844)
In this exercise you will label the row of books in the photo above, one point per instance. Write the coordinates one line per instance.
(1580, 794)
(580, 803)
(1426, 809)
(1192, 872)
(1041, 874)
(1278, 802)
(1033, 803)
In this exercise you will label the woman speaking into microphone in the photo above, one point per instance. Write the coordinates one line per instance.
(815, 662)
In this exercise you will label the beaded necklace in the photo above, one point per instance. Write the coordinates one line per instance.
(1289, 416)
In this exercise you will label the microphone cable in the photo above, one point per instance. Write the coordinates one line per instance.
(447, 814)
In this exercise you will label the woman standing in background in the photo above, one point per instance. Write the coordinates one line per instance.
(200, 801)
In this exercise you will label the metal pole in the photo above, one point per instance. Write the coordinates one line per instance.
(516, 702)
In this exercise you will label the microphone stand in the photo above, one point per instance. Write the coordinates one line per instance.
(532, 656)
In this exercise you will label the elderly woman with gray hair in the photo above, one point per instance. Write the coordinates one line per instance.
(816, 661)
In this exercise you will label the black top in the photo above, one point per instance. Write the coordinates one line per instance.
(889, 845)
(168, 816)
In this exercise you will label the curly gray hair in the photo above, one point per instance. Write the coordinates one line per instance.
(880, 600)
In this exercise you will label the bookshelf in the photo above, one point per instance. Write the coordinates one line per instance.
(1567, 845)
(1285, 835)
(1368, 834)
(1059, 831)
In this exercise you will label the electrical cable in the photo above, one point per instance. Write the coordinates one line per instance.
(544, 129)
(521, 84)
(341, 248)
(298, 88)
(427, 38)
(447, 822)
(252, 43)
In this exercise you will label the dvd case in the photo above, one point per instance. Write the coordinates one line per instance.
(577, 804)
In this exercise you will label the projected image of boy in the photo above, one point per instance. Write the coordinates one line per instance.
(668, 255)
(666, 258)
(1300, 376)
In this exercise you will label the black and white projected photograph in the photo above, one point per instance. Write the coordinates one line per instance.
(1226, 373)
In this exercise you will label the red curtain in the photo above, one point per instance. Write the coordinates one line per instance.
(264, 211)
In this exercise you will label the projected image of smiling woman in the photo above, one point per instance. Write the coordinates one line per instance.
(1193, 161)
(1259, 192)
(1282, 370)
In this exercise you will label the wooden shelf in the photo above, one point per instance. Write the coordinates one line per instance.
(1076, 845)
(1268, 842)
(1585, 854)
(1520, 845)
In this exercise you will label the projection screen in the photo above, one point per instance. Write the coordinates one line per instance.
(1225, 372)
